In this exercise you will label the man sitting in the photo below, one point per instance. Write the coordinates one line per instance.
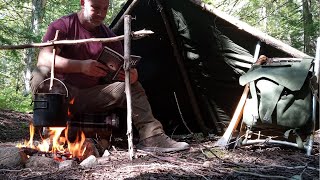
(77, 67)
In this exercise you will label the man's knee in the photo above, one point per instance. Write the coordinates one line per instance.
(137, 88)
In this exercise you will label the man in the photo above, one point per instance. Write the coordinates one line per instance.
(76, 65)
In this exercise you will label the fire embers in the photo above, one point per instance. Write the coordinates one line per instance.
(55, 144)
(89, 134)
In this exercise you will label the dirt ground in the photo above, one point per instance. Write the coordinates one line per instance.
(202, 161)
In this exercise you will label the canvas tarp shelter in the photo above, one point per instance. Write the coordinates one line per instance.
(190, 66)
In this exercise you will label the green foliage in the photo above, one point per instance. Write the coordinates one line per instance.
(14, 100)
(282, 19)
(16, 28)
(114, 8)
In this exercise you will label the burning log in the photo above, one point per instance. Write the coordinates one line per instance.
(90, 149)
(58, 156)
(30, 151)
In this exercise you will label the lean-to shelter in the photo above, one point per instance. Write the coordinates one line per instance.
(191, 65)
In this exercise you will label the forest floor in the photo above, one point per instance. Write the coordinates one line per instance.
(202, 161)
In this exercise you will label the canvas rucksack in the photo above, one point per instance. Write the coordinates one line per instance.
(279, 94)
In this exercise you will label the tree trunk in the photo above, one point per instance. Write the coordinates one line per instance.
(30, 54)
(307, 26)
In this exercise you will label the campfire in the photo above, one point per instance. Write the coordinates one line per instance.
(55, 145)
(69, 134)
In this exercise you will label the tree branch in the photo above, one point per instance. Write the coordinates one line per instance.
(135, 35)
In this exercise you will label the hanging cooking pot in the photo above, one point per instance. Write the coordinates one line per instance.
(50, 109)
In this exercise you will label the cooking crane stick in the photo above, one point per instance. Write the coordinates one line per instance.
(53, 62)
(224, 140)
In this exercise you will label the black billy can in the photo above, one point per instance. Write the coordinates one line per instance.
(50, 109)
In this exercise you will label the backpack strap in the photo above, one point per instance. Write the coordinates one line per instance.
(254, 97)
(273, 100)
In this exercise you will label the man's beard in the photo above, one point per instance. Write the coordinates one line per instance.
(88, 17)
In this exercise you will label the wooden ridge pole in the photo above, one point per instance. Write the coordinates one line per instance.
(244, 27)
(128, 11)
(135, 35)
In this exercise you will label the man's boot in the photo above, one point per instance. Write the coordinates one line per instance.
(161, 143)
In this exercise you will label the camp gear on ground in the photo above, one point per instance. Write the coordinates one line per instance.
(279, 110)
(280, 93)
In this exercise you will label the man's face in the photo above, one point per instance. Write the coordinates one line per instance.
(95, 11)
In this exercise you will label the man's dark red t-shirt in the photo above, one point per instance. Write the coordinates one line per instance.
(70, 28)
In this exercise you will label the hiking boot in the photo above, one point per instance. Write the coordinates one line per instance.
(161, 143)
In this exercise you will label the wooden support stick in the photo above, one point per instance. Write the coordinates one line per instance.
(53, 61)
(126, 67)
(179, 59)
(135, 35)
(224, 140)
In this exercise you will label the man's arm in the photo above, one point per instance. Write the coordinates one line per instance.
(89, 67)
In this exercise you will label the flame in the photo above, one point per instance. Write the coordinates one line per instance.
(56, 144)
(76, 148)
(71, 103)
(44, 146)
(30, 142)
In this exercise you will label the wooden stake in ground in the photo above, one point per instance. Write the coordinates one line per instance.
(126, 67)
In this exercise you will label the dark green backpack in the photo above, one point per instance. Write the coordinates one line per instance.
(279, 93)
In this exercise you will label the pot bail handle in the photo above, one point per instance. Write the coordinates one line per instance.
(67, 92)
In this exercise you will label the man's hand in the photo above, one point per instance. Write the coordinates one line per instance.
(133, 75)
(93, 68)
